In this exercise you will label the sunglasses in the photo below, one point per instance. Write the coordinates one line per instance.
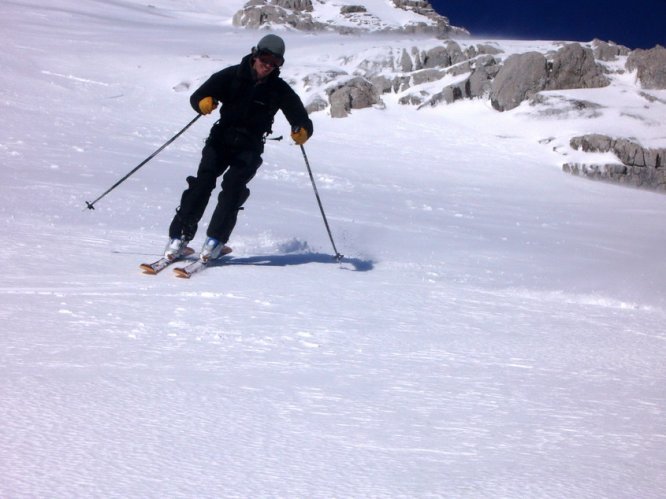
(269, 59)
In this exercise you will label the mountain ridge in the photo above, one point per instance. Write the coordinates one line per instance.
(347, 17)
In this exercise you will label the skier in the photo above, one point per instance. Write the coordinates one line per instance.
(251, 93)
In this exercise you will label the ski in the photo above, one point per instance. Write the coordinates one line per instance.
(159, 265)
(189, 270)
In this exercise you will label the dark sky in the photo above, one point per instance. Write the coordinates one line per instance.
(634, 23)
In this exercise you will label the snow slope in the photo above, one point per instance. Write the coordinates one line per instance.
(495, 330)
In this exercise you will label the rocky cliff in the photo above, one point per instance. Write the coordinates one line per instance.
(447, 66)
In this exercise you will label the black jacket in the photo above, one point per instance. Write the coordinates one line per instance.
(248, 105)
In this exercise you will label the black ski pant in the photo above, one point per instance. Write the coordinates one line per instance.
(238, 167)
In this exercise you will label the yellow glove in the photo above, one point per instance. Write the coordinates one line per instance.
(207, 105)
(300, 135)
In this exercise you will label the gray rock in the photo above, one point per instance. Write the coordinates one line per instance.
(641, 167)
(441, 26)
(257, 14)
(401, 83)
(352, 9)
(628, 151)
(488, 63)
(406, 64)
(321, 78)
(437, 57)
(426, 76)
(444, 56)
(478, 84)
(608, 51)
(413, 99)
(296, 14)
(573, 66)
(480, 81)
(300, 5)
(650, 66)
(383, 84)
(592, 143)
(521, 77)
(417, 56)
(645, 178)
(450, 94)
(460, 69)
(485, 48)
(318, 103)
(524, 75)
(357, 93)
(457, 54)
(292, 13)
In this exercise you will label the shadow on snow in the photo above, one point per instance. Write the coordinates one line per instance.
(354, 264)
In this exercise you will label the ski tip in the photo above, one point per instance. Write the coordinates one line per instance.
(182, 273)
(147, 269)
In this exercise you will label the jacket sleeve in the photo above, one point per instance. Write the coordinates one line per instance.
(217, 87)
(293, 109)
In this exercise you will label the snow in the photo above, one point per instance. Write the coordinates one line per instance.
(379, 14)
(496, 328)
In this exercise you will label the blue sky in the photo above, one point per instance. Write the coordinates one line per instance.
(636, 24)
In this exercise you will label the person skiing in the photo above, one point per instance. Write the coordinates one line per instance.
(251, 93)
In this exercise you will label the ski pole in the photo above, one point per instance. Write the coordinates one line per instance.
(91, 206)
(338, 256)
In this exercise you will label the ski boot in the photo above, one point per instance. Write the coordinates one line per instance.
(175, 248)
(212, 249)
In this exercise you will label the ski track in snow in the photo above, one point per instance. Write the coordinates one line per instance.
(495, 329)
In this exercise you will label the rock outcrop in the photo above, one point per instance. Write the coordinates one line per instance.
(650, 67)
(524, 75)
(299, 15)
(356, 93)
(574, 66)
(292, 13)
(636, 166)
(608, 51)
(521, 77)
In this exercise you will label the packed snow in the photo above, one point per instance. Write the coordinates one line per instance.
(495, 329)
